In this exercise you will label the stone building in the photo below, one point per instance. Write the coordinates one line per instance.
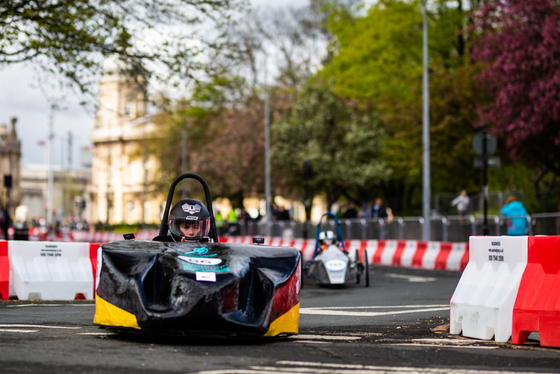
(10, 164)
(68, 185)
(120, 167)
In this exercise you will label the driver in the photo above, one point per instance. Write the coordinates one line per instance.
(189, 220)
(327, 238)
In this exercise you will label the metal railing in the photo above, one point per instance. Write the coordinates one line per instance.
(443, 228)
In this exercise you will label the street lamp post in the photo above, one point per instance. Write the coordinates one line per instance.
(267, 153)
(50, 182)
(426, 230)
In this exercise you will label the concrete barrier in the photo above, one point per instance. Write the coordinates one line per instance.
(482, 304)
(51, 270)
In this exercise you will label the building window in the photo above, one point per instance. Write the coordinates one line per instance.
(130, 212)
(130, 173)
(146, 211)
(130, 109)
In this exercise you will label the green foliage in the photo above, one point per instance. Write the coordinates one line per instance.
(157, 38)
(379, 57)
(225, 139)
(340, 140)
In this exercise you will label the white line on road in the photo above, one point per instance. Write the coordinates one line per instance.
(324, 337)
(41, 326)
(412, 278)
(383, 307)
(395, 370)
(317, 311)
(15, 330)
(462, 346)
(38, 305)
(320, 368)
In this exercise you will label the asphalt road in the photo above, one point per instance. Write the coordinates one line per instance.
(398, 325)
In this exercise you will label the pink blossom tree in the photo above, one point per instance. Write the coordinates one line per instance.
(519, 42)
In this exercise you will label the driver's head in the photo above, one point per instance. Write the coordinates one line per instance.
(327, 238)
(190, 229)
(189, 219)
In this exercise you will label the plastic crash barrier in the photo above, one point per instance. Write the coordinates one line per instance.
(409, 253)
(482, 304)
(4, 271)
(51, 270)
(537, 307)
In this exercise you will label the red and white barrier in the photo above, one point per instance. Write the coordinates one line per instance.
(409, 253)
(51, 270)
(482, 304)
(509, 288)
(537, 306)
(4, 271)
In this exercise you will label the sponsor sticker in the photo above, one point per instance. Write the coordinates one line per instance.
(192, 209)
(205, 276)
(202, 260)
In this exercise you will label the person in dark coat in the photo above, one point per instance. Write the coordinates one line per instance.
(378, 210)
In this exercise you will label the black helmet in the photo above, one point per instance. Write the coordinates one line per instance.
(190, 219)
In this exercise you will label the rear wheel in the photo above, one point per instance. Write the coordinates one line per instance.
(366, 268)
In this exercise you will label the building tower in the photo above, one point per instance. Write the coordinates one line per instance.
(118, 192)
(10, 165)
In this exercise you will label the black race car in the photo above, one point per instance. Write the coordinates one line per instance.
(176, 284)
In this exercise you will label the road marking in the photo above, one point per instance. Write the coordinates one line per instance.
(41, 326)
(320, 368)
(412, 278)
(324, 337)
(37, 305)
(327, 312)
(98, 333)
(15, 330)
(383, 306)
(462, 346)
(396, 369)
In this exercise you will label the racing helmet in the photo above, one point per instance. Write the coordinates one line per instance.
(189, 218)
(327, 238)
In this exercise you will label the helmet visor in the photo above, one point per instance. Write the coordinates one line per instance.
(188, 227)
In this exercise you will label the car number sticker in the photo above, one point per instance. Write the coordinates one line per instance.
(205, 276)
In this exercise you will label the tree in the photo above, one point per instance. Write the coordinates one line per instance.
(225, 127)
(341, 142)
(519, 41)
(378, 58)
(160, 38)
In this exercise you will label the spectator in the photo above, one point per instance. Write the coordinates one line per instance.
(378, 210)
(351, 211)
(365, 211)
(517, 223)
(245, 217)
(283, 214)
(462, 202)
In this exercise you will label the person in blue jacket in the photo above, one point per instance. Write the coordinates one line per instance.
(517, 225)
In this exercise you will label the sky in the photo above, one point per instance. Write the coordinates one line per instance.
(20, 97)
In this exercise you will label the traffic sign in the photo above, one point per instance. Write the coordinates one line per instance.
(477, 143)
(491, 162)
